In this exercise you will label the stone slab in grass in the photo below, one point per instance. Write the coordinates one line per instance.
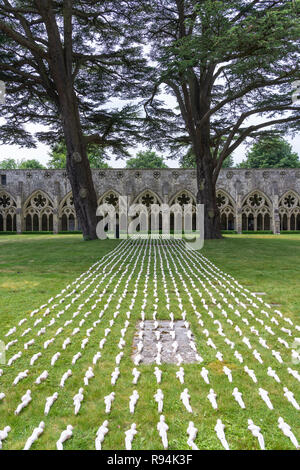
(168, 356)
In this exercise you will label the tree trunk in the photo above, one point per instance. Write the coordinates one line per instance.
(206, 192)
(79, 172)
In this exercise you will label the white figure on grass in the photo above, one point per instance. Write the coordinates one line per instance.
(65, 435)
(102, 431)
(108, 401)
(185, 398)
(49, 403)
(162, 428)
(4, 434)
(212, 398)
(256, 433)
(35, 435)
(77, 400)
(159, 398)
(133, 401)
(238, 397)
(286, 429)
(129, 436)
(192, 433)
(219, 428)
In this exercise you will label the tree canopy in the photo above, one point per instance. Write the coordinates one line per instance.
(58, 157)
(271, 152)
(146, 159)
(12, 164)
(230, 66)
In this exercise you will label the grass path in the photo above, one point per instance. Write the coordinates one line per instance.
(122, 285)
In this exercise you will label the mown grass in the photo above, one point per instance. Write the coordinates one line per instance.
(35, 268)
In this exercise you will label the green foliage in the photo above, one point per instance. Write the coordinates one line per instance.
(230, 66)
(58, 157)
(146, 159)
(188, 161)
(271, 152)
(12, 164)
(8, 164)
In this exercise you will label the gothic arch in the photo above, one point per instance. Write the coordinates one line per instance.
(289, 211)
(111, 196)
(226, 206)
(38, 212)
(184, 196)
(8, 211)
(67, 215)
(256, 211)
(147, 197)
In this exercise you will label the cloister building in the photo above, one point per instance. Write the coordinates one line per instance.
(260, 199)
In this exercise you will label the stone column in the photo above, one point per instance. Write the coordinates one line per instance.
(56, 200)
(238, 214)
(19, 215)
(276, 218)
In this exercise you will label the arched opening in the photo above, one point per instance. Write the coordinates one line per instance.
(28, 223)
(230, 224)
(35, 223)
(9, 223)
(223, 222)
(293, 222)
(51, 223)
(1, 223)
(267, 222)
(44, 223)
(250, 222)
(71, 223)
(64, 223)
(298, 222)
(244, 222)
(260, 222)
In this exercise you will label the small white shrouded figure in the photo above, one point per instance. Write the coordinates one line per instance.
(108, 401)
(251, 373)
(21, 376)
(286, 429)
(49, 403)
(44, 375)
(65, 377)
(102, 431)
(256, 433)
(238, 397)
(192, 433)
(162, 428)
(55, 358)
(158, 374)
(129, 436)
(65, 435)
(272, 373)
(204, 375)
(114, 376)
(4, 434)
(96, 357)
(265, 396)
(35, 358)
(185, 398)
(77, 400)
(219, 428)
(76, 357)
(25, 400)
(227, 372)
(290, 396)
(159, 398)
(35, 435)
(88, 375)
(133, 401)
(180, 375)
(212, 398)
(136, 374)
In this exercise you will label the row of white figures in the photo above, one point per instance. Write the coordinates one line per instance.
(258, 357)
(86, 276)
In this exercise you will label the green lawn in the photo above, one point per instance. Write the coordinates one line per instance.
(35, 268)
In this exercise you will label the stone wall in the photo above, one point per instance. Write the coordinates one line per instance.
(247, 199)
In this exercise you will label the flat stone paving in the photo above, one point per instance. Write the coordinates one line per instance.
(168, 356)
